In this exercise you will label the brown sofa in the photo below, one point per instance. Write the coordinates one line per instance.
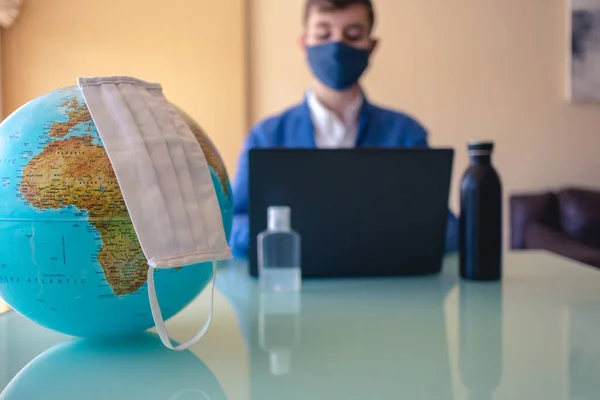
(566, 222)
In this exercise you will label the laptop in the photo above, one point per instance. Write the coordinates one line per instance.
(360, 212)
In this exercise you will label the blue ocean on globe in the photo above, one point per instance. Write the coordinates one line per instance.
(69, 257)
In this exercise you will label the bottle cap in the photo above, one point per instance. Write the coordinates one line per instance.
(280, 362)
(279, 218)
(480, 147)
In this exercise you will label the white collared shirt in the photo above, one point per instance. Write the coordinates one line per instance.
(330, 131)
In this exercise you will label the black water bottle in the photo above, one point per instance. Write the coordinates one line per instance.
(481, 217)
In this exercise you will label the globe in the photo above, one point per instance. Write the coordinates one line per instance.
(70, 259)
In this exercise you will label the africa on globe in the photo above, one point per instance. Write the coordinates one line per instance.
(70, 259)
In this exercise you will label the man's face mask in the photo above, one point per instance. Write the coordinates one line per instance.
(338, 65)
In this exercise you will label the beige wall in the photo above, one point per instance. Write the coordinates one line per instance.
(196, 49)
(466, 69)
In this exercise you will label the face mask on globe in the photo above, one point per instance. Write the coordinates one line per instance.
(165, 180)
(338, 65)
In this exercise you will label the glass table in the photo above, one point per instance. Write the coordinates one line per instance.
(533, 336)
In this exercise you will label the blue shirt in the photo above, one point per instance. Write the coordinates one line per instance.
(293, 128)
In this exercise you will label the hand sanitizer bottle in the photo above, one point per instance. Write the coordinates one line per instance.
(279, 253)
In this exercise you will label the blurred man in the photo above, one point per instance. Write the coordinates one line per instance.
(335, 113)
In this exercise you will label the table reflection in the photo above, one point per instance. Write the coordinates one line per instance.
(480, 338)
(346, 339)
(584, 352)
(279, 327)
(138, 368)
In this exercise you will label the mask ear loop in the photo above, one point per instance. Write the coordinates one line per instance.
(158, 318)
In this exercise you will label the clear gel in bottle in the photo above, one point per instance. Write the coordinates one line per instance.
(279, 253)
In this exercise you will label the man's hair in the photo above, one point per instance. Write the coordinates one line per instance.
(329, 5)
